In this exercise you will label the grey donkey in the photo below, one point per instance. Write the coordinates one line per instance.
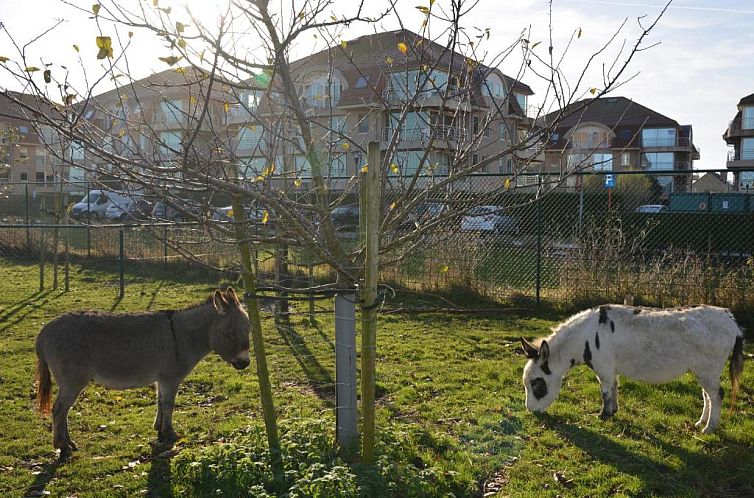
(122, 351)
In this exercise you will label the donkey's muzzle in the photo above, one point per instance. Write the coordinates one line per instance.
(240, 363)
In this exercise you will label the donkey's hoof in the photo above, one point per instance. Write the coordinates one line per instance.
(168, 437)
(65, 454)
(606, 414)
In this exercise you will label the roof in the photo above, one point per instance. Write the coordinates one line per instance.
(378, 53)
(609, 111)
(749, 99)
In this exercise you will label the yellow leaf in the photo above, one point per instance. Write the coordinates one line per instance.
(155, 2)
(122, 132)
(170, 60)
(104, 44)
(297, 182)
(392, 206)
(192, 100)
(333, 18)
(431, 3)
(592, 91)
(394, 168)
(301, 16)
(343, 44)
(253, 127)
(226, 106)
(423, 9)
(389, 60)
(201, 56)
(345, 146)
(95, 8)
(444, 268)
(265, 217)
(31, 69)
(533, 46)
(230, 213)
(130, 34)
(179, 27)
(180, 70)
(507, 184)
(424, 23)
(181, 43)
(4, 59)
(365, 168)
(403, 47)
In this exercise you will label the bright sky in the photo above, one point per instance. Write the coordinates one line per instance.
(702, 66)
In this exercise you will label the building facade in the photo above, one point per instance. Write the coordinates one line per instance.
(740, 138)
(617, 134)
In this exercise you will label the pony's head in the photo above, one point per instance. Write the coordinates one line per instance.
(541, 385)
(229, 331)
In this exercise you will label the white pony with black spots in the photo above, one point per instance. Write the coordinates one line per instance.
(643, 344)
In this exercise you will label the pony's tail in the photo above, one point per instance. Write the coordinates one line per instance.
(44, 386)
(736, 369)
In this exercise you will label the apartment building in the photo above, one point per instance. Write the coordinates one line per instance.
(740, 138)
(618, 134)
(393, 87)
(26, 163)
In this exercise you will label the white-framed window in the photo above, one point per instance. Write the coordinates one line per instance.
(602, 161)
(658, 137)
(23, 176)
(625, 159)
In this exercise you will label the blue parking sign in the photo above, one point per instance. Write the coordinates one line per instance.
(609, 181)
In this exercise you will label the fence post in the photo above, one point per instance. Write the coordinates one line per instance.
(42, 243)
(122, 263)
(88, 224)
(346, 414)
(165, 245)
(66, 270)
(539, 238)
(26, 212)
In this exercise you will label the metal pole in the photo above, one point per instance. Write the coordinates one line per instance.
(66, 269)
(346, 414)
(26, 209)
(88, 223)
(539, 239)
(122, 263)
(312, 317)
(42, 243)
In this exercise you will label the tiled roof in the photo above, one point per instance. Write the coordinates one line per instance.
(749, 99)
(610, 111)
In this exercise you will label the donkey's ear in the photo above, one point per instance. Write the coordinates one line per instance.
(529, 348)
(544, 351)
(231, 296)
(219, 302)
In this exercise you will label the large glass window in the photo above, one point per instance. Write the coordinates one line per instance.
(77, 151)
(522, 101)
(493, 87)
(747, 149)
(747, 118)
(602, 162)
(405, 84)
(170, 142)
(250, 138)
(252, 167)
(657, 161)
(658, 137)
(414, 127)
(316, 95)
(173, 112)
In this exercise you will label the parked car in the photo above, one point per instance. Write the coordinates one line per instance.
(487, 219)
(651, 208)
(124, 207)
(93, 205)
(163, 211)
(345, 218)
(423, 213)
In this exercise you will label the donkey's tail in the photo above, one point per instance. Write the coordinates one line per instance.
(44, 386)
(736, 369)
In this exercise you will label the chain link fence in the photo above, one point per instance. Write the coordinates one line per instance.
(522, 242)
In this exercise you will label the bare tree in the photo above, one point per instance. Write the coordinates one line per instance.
(235, 119)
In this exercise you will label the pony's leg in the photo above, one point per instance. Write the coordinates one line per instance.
(168, 390)
(705, 411)
(158, 418)
(61, 439)
(609, 390)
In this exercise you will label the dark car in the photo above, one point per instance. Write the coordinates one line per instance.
(346, 218)
(423, 214)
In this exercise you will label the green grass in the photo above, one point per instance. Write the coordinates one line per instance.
(450, 407)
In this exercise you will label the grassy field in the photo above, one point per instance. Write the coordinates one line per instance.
(450, 411)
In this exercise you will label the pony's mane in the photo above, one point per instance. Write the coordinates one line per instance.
(564, 329)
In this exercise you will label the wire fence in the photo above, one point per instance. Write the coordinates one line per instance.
(580, 243)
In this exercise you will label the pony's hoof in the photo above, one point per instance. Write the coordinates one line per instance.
(604, 415)
(65, 454)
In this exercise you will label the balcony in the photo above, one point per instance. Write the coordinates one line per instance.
(668, 143)
(431, 98)
(742, 159)
(444, 133)
(238, 114)
(740, 127)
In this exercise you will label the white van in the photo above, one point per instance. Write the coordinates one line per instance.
(119, 205)
(91, 205)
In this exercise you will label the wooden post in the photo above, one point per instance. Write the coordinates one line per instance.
(370, 226)
(346, 412)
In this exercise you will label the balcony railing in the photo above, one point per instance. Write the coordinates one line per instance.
(667, 166)
(441, 132)
(667, 142)
(740, 124)
(394, 95)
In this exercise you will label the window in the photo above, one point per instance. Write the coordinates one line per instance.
(170, 143)
(40, 177)
(77, 151)
(493, 87)
(252, 99)
(405, 84)
(76, 174)
(504, 134)
(555, 137)
(746, 180)
(475, 125)
(23, 130)
(658, 137)
(415, 125)
(250, 138)
(338, 165)
(657, 161)
(361, 82)
(252, 167)
(747, 149)
(625, 159)
(315, 94)
(602, 162)
(50, 179)
(747, 118)
(23, 176)
(486, 130)
(626, 135)
(173, 112)
(363, 123)
(522, 101)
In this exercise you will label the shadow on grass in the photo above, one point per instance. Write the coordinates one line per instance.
(31, 304)
(717, 470)
(320, 379)
(160, 478)
(37, 488)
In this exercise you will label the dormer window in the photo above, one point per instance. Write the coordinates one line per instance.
(315, 93)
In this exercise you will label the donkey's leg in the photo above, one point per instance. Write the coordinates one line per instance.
(609, 390)
(67, 394)
(168, 390)
(705, 411)
(158, 418)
